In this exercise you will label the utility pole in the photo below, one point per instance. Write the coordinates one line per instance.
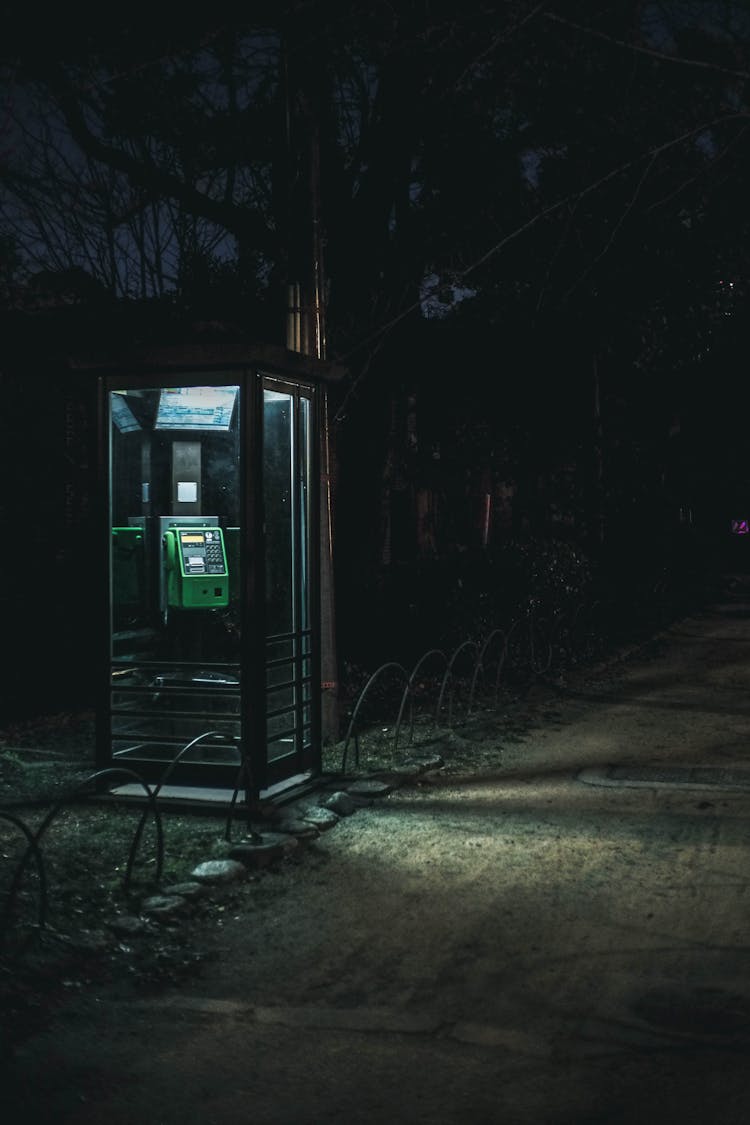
(305, 319)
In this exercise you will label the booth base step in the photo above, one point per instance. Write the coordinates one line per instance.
(204, 797)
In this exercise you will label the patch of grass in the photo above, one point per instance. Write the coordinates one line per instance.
(85, 851)
(65, 733)
(86, 846)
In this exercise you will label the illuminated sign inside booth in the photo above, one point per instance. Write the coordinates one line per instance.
(195, 408)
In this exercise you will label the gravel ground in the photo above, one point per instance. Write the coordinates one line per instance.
(505, 939)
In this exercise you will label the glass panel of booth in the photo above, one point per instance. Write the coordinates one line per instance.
(174, 456)
(287, 474)
(278, 506)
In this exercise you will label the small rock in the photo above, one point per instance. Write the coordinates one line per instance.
(219, 871)
(163, 906)
(340, 803)
(272, 846)
(127, 925)
(321, 818)
(330, 784)
(190, 891)
(369, 787)
(422, 765)
(399, 774)
(302, 829)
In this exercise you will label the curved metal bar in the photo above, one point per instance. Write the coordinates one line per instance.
(185, 749)
(241, 775)
(515, 631)
(507, 634)
(559, 636)
(119, 771)
(360, 700)
(479, 665)
(591, 614)
(33, 848)
(538, 667)
(407, 694)
(526, 654)
(244, 774)
(448, 676)
(152, 806)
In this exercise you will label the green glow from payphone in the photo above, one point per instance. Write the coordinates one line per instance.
(196, 565)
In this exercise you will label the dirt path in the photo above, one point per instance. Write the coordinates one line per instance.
(533, 942)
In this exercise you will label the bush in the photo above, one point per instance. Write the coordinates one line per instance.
(551, 573)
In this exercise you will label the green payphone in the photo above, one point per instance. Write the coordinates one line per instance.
(195, 564)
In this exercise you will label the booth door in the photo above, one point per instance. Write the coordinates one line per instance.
(175, 526)
(289, 579)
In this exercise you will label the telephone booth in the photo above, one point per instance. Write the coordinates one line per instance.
(212, 551)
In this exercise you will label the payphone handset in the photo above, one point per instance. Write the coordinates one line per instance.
(195, 562)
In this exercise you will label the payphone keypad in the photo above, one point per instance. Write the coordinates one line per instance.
(202, 552)
(214, 554)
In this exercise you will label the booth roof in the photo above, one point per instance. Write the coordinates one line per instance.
(215, 354)
(123, 336)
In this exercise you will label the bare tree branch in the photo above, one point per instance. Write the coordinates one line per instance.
(693, 179)
(615, 229)
(245, 223)
(572, 197)
(503, 37)
(651, 52)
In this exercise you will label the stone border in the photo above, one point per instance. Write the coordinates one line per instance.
(291, 825)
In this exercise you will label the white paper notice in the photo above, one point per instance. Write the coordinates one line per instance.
(187, 491)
